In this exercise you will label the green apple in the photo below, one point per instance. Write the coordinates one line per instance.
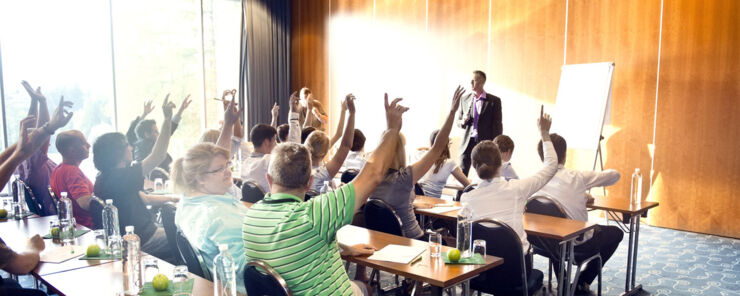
(453, 255)
(160, 282)
(3, 213)
(93, 250)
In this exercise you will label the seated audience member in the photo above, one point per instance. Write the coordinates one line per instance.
(435, 179)
(211, 136)
(282, 131)
(207, 214)
(498, 199)
(67, 177)
(254, 167)
(568, 187)
(318, 144)
(311, 111)
(355, 159)
(506, 146)
(306, 132)
(143, 133)
(298, 238)
(36, 170)
(20, 264)
(121, 179)
(397, 188)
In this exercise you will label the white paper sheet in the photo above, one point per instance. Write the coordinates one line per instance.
(440, 210)
(62, 254)
(397, 254)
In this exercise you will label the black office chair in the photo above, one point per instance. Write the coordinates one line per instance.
(191, 256)
(544, 205)
(95, 209)
(34, 205)
(466, 189)
(261, 279)
(310, 194)
(349, 175)
(510, 278)
(380, 216)
(167, 212)
(418, 189)
(251, 192)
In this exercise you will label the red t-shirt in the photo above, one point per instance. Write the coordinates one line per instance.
(69, 178)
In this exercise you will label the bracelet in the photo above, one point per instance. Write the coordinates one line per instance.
(45, 129)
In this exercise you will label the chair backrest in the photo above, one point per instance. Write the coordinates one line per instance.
(261, 279)
(251, 192)
(34, 205)
(502, 241)
(310, 194)
(418, 189)
(95, 210)
(380, 216)
(544, 205)
(191, 256)
(466, 189)
(167, 212)
(349, 175)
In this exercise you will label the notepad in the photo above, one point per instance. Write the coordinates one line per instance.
(443, 209)
(62, 254)
(397, 254)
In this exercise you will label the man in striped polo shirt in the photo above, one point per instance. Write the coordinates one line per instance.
(297, 238)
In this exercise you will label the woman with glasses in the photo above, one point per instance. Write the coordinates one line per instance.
(207, 214)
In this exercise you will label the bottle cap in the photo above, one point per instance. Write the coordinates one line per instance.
(223, 247)
(129, 228)
(109, 201)
(64, 193)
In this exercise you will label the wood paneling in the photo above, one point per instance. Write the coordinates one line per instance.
(697, 166)
(624, 32)
(308, 39)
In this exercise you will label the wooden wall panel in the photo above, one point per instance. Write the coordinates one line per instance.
(625, 32)
(308, 38)
(697, 165)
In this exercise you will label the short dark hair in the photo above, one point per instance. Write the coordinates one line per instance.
(260, 133)
(144, 127)
(486, 159)
(358, 142)
(561, 147)
(504, 143)
(306, 132)
(481, 73)
(108, 151)
(282, 131)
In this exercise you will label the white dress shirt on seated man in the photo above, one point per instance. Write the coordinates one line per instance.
(254, 168)
(504, 200)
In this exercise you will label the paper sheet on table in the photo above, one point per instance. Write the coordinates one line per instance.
(397, 254)
(440, 210)
(62, 254)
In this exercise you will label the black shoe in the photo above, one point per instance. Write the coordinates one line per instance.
(583, 290)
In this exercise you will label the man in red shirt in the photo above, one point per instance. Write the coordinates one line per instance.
(67, 177)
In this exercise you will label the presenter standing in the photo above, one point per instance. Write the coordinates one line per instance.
(480, 116)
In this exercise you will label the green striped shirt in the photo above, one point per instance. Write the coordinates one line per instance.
(298, 239)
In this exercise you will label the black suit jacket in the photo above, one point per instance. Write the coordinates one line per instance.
(489, 119)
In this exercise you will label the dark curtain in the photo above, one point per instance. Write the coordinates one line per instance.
(265, 59)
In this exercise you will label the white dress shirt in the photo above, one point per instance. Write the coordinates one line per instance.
(355, 160)
(254, 168)
(504, 200)
(507, 171)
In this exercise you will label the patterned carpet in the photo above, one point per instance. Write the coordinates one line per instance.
(670, 262)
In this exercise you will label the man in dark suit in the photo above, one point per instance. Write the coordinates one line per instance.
(480, 116)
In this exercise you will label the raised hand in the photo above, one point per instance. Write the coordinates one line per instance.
(35, 94)
(61, 116)
(227, 93)
(275, 110)
(148, 108)
(349, 103)
(184, 105)
(167, 107)
(456, 98)
(231, 114)
(295, 102)
(544, 122)
(394, 113)
(25, 144)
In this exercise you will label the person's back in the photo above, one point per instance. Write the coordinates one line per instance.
(397, 190)
(569, 187)
(433, 182)
(254, 167)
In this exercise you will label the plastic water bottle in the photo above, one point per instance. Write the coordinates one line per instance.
(111, 228)
(17, 202)
(326, 188)
(132, 284)
(464, 231)
(224, 276)
(636, 188)
(65, 214)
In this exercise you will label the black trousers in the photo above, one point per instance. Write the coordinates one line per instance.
(465, 161)
(12, 288)
(604, 242)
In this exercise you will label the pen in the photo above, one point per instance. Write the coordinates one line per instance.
(415, 260)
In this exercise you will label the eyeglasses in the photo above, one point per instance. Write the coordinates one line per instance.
(222, 170)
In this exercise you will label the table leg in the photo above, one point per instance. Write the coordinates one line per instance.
(633, 289)
(571, 245)
(561, 264)
(628, 271)
(437, 291)
(466, 288)
(634, 250)
(422, 222)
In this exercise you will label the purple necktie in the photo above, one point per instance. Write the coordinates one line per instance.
(475, 116)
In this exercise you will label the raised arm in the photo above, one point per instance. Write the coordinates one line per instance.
(294, 119)
(340, 124)
(275, 112)
(336, 162)
(131, 132)
(425, 163)
(178, 116)
(530, 185)
(159, 152)
(231, 116)
(374, 170)
(36, 97)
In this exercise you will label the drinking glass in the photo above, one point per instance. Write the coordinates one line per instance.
(67, 230)
(158, 185)
(168, 186)
(100, 239)
(435, 244)
(151, 268)
(479, 247)
(179, 280)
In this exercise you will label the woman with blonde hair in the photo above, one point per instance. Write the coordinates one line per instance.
(397, 188)
(207, 214)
